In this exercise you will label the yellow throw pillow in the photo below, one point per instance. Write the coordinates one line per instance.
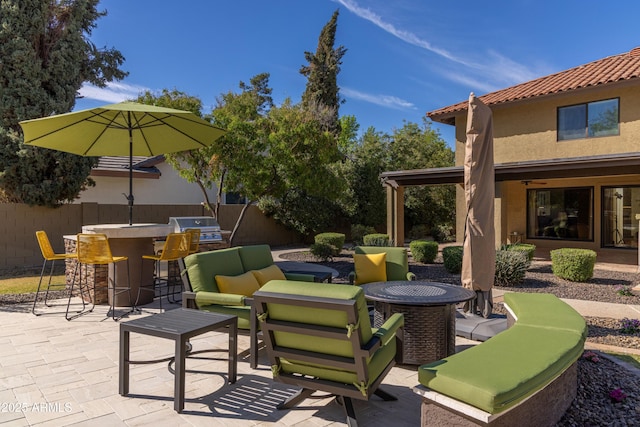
(272, 272)
(370, 268)
(244, 284)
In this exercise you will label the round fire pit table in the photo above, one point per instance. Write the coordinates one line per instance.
(429, 315)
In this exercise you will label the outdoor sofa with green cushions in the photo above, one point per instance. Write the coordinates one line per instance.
(201, 288)
(369, 269)
(524, 376)
(320, 338)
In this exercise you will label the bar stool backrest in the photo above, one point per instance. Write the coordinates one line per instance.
(194, 239)
(45, 245)
(94, 249)
(175, 246)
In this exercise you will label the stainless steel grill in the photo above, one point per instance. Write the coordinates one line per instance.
(209, 227)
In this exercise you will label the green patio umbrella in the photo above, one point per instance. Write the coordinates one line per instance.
(123, 129)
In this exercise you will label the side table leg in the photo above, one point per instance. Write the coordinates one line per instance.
(179, 381)
(233, 351)
(253, 338)
(123, 374)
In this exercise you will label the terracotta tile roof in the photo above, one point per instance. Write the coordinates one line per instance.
(625, 66)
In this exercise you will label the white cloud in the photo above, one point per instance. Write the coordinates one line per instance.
(112, 93)
(406, 36)
(382, 100)
(490, 71)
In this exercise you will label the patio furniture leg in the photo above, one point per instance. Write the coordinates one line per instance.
(295, 399)
(123, 374)
(179, 381)
(233, 352)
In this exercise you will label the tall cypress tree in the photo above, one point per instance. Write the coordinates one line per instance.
(322, 73)
(45, 57)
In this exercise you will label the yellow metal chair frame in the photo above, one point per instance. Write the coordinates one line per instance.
(95, 249)
(176, 246)
(49, 255)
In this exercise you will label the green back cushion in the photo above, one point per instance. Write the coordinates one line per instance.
(397, 260)
(255, 257)
(204, 266)
(504, 370)
(318, 316)
(545, 310)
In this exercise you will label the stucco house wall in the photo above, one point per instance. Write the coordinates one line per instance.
(168, 188)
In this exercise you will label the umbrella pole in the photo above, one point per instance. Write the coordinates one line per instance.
(130, 197)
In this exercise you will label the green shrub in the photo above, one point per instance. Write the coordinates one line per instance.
(419, 232)
(511, 267)
(452, 256)
(358, 231)
(527, 248)
(322, 251)
(443, 233)
(424, 251)
(376, 239)
(335, 240)
(573, 264)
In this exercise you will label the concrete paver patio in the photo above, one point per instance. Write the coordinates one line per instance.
(59, 373)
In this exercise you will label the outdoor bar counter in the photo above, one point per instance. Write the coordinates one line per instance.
(131, 241)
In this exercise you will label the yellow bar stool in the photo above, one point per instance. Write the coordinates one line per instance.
(194, 239)
(49, 255)
(176, 246)
(95, 249)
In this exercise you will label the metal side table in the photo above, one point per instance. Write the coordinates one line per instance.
(179, 325)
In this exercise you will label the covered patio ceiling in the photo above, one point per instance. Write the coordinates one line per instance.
(574, 167)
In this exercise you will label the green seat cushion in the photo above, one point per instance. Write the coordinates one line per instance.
(204, 266)
(318, 316)
(376, 367)
(397, 262)
(504, 370)
(545, 310)
(242, 311)
(255, 257)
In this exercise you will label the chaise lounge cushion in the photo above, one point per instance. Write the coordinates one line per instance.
(534, 356)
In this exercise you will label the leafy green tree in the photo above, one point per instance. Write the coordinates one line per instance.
(45, 57)
(419, 147)
(195, 166)
(322, 73)
(365, 202)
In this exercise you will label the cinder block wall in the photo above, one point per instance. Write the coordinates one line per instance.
(19, 223)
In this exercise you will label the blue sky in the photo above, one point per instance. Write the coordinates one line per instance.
(404, 57)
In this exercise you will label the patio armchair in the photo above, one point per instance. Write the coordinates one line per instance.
(320, 339)
(380, 264)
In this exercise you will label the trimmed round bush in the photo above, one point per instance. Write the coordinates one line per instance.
(527, 248)
(322, 251)
(511, 267)
(452, 256)
(376, 239)
(335, 240)
(424, 251)
(358, 231)
(572, 264)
